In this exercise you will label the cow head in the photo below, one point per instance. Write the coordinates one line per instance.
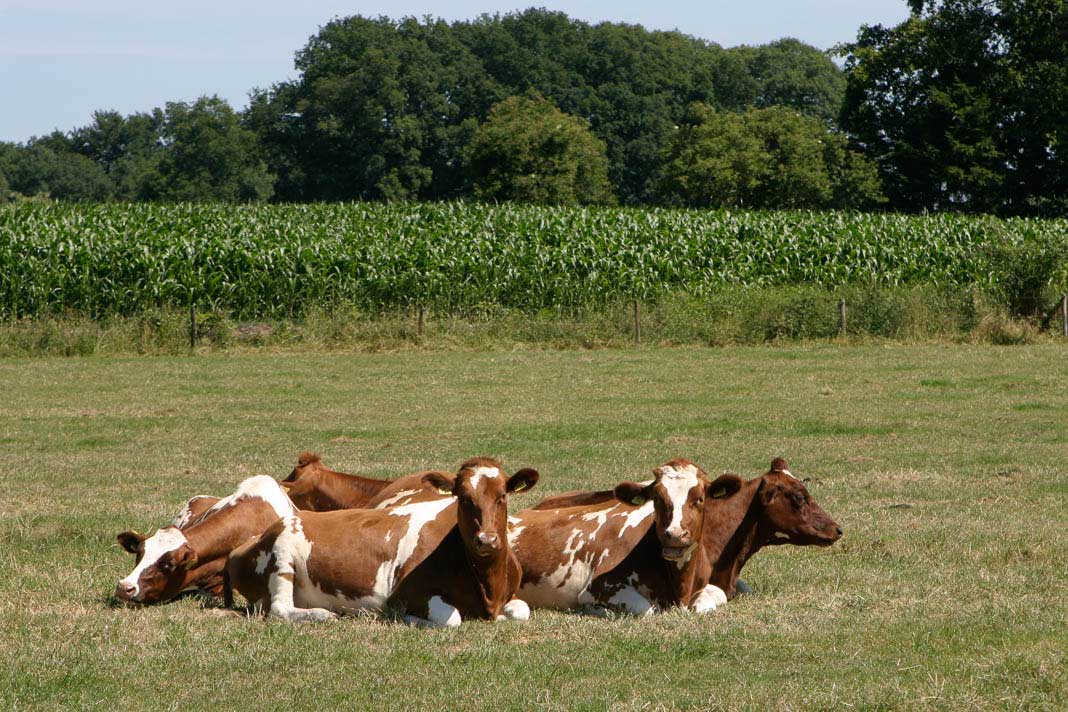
(791, 516)
(163, 563)
(300, 484)
(481, 490)
(678, 493)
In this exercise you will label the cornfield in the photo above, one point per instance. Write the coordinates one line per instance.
(264, 261)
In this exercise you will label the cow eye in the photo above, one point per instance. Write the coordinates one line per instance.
(166, 565)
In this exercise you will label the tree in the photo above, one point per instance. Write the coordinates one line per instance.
(964, 106)
(208, 155)
(530, 151)
(790, 73)
(764, 158)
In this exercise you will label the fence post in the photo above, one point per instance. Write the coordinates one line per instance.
(422, 320)
(637, 325)
(192, 326)
(841, 316)
(1064, 315)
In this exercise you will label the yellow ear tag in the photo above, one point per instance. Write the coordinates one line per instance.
(520, 487)
(639, 500)
(442, 490)
(719, 492)
(190, 563)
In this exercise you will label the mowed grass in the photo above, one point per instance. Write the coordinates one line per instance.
(947, 467)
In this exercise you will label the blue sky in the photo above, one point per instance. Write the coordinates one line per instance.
(62, 59)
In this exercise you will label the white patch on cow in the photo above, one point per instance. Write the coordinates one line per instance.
(389, 536)
(516, 610)
(631, 600)
(600, 516)
(710, 598)
(678, 483)
(441, 613)
(788, 473)
(480, 472)
(185, 514)
(563, 588)
(261, 487)
(395, 498)
(262, 559)
(513, 532)
(782, 535)
(165, 540)
(635, 517)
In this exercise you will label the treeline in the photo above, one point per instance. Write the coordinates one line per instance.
(962, 107)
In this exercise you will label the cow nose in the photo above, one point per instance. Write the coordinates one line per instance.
(679, 536)
(487, 539)
(839, 530)
(125, 590)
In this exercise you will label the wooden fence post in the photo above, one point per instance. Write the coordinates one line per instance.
(841, 316)
(637, 325)
(1064, 315)
(192, 326)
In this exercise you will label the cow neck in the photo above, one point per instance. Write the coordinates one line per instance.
(344, 491)
(680, 580)
(497, 579)
(732, 535)
(222, 531)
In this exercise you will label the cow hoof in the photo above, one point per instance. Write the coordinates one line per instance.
(517, 610)
(711, 598)
(742, 588)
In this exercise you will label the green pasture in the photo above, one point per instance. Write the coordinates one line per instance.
(946, 465)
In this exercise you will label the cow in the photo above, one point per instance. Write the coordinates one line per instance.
(191, 553)
(768, 510)
(439, 552)
(566, 551)
(314, 487)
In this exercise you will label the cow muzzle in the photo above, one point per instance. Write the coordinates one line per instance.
(487, 543)
(126, 591)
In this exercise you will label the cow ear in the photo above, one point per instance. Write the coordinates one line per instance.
(522, 480)
(442, 482)
(724, 486)
(132, 542)
(631, 493)
(184, 557)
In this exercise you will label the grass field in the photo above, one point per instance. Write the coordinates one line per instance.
(947, 467)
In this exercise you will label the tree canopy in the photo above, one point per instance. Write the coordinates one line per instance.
(529, 151)
(964, 106)
(764, 158)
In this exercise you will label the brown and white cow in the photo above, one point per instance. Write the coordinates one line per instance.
(772, 509)
(314, 487)
(191, 553)
(566, 552)
(438, 551)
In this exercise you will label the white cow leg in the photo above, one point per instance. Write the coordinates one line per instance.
(631, 601)
(282, 606)
(515, 610)
(710, 598)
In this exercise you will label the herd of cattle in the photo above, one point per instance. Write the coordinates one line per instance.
(442, 547)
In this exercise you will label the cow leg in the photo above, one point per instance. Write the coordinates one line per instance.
(282, 580)
(515, 610)
(440, 614)
(632, 601)
(710, 598)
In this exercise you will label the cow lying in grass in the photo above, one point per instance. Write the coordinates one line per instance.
(566, 552)
(191, 553)
(621, 548)
(440, 554)
(312, 486)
